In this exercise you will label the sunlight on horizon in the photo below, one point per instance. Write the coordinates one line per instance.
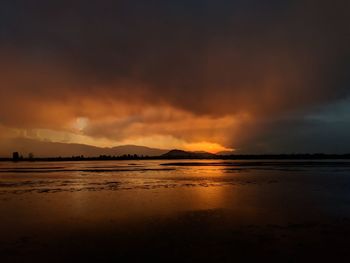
(157, 141)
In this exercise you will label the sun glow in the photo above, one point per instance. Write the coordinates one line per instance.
(160, 142)
(207, 147)
(81, 123)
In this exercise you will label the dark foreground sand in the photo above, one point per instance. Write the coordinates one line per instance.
(190, 213)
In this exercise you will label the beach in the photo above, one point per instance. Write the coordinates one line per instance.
(175, 210)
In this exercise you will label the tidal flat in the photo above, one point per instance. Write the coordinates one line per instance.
(175, 211)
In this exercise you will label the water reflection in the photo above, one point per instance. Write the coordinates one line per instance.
(116, 190)
(154, 199)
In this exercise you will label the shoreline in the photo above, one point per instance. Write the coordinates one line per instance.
(316, 156)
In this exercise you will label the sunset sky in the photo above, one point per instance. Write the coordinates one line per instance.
(248, 75)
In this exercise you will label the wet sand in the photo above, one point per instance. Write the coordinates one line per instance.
(175, 211)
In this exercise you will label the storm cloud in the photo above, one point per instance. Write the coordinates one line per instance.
(235, 73)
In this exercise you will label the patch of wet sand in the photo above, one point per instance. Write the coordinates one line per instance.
(206, 213)
(193, 236)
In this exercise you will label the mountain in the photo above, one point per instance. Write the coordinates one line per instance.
(180, 154)
(134, 149)
(54, 149)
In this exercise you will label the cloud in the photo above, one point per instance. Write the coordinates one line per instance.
(222, 72)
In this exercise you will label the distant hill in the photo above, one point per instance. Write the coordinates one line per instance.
(180, 154)
(134, 149)
(42, 149)
(55, 149)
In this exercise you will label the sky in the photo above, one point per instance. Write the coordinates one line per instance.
(248, 75)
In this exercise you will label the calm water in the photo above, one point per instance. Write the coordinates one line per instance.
(41, 203)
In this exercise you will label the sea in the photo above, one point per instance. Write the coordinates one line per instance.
(175, 210)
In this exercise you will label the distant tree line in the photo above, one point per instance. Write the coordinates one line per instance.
(17, 157)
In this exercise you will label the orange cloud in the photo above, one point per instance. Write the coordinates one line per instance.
(209, 81)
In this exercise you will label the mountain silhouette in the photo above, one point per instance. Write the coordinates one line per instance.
(55, 149)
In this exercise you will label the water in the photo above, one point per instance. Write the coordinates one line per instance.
(105, 206)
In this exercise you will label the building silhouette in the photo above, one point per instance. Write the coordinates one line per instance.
(15, 156)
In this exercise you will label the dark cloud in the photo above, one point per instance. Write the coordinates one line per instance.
(271, 59)
(297, 136)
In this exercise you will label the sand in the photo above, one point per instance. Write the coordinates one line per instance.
(175, 212)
